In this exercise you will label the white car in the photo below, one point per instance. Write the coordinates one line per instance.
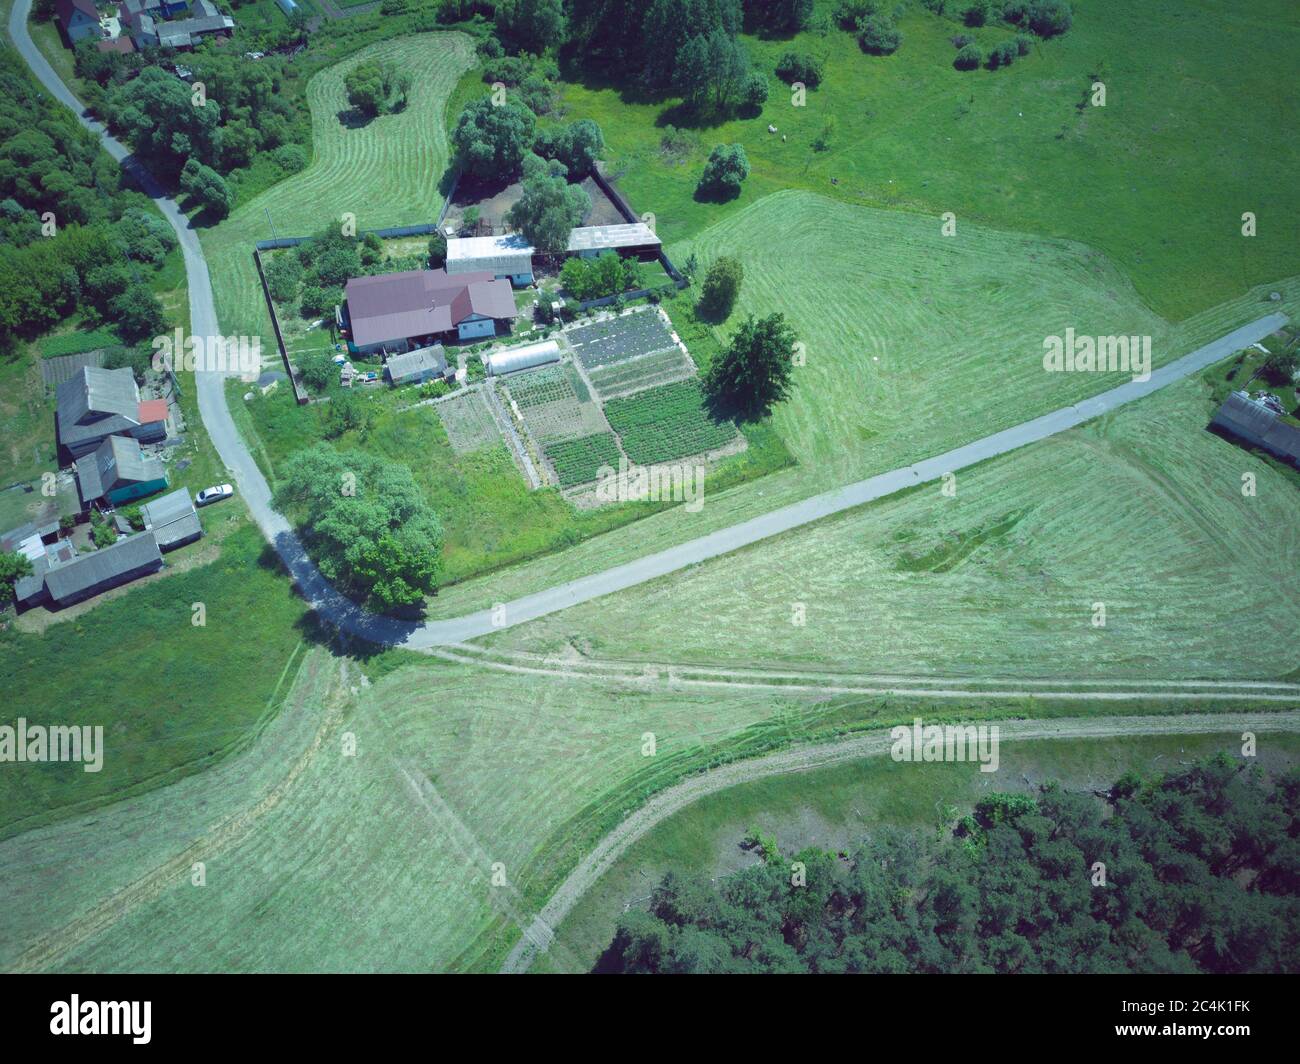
(213, 494)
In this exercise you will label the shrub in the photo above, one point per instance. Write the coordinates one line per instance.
(962, 39)
(1023, 44)
(290, 158)
(727, 167)
(878, 35)
(968, 58)
(753, 92)
(848, 13)
(283, 273)
(800, 66)
(978, 13)
(1003, 55)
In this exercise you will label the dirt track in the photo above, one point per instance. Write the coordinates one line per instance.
(675, 798)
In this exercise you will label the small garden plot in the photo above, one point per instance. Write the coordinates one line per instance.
(627, 336)
(671, 421)
(578, 461)
(551, 406)
(634, 375)
(469, 423)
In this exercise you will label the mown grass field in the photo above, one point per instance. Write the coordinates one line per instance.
(172, 697)
(385, 172)
(1141, 510)
(1012, 149)
(833, 808)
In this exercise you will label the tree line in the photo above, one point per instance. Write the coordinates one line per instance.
(1196, 871)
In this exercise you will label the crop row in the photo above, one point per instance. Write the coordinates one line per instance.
(667, 422)
(578, 461)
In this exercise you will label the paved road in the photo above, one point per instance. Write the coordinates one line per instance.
(351, 618)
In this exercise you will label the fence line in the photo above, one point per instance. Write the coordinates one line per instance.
(298, 393)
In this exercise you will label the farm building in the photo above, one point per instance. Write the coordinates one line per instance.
(527, 357)
(117, 471)
(97, 403)
(89, 574)
(588, 241)
(1256, 424)
(508, 258)
(415, 367)
(395, 312)
(172, 519)
(78, 19)
(149, 28)
(121, 45)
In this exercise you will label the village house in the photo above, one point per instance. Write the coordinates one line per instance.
(396, 312)
(97, 403)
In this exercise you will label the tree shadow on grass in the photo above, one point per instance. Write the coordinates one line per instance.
(354, 118)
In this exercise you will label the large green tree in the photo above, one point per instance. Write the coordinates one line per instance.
(531, 25)
(548, 207)
(491, 141)
(365, 522)
(752, 374)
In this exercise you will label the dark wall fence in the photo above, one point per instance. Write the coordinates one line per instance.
(299, 395)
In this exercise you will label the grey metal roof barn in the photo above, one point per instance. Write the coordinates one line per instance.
(1258, 425)
(421, 364)
(612, 237)
(89, 574)
(172, 519)
(498, 255)
(516, 358)
(116, 461)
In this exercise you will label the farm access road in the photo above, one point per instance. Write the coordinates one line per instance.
(351, 618)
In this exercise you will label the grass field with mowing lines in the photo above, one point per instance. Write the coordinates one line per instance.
(832, 808)
(1200, 103)
(1141, 510)
(386, 172)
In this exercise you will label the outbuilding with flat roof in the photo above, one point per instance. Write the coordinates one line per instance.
(588, 241)
(508, 257)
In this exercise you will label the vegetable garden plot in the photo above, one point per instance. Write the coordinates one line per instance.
(667, 422)
(552, 408)
(665, 367)
(606, 342)
(578, 461)
(469, 423)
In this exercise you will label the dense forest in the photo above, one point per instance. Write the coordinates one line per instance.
(1201, 874)
(71, 236)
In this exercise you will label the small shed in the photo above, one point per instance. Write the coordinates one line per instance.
(172, 519)
(527, 357)
(415, 367)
